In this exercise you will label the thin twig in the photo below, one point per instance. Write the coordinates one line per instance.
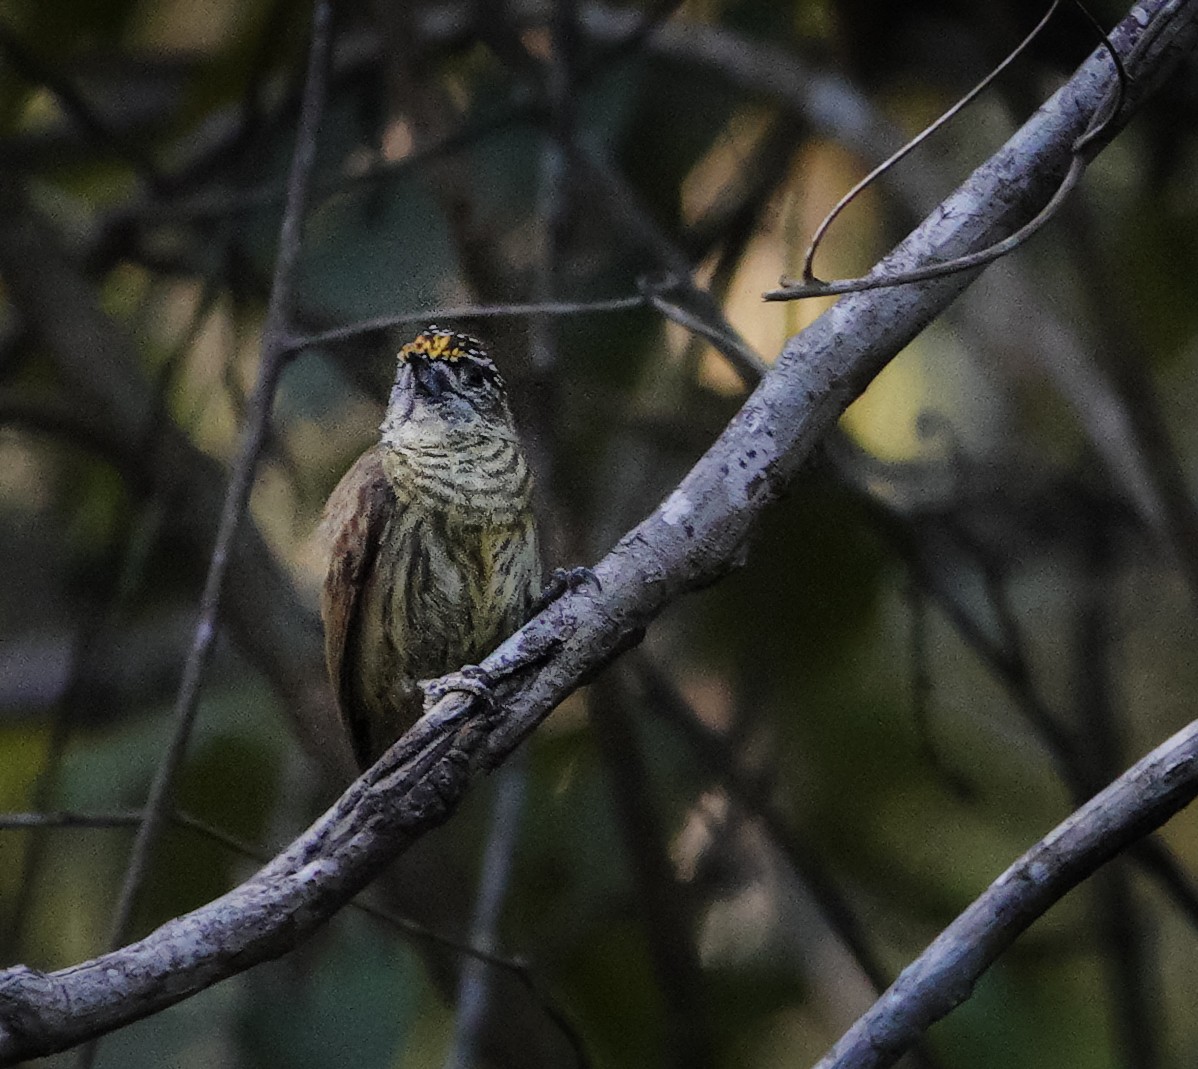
(1103, 121)
(73, 820)
(274, 353)
(958, 264)
(638, 229)
(468, 311)
(717, 331)
(808, 272)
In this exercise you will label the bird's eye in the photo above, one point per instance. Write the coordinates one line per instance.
(472, 377)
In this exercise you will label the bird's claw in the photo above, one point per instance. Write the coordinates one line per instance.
(469, 679)
(562, 580)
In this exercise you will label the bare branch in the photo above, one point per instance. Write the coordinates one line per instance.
(410, 929)
(466, 311)
(274, 352)
(942, 977)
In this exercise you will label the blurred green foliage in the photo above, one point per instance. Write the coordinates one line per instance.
(153, 139)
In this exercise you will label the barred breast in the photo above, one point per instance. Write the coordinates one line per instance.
(458, 591)
(456, 571)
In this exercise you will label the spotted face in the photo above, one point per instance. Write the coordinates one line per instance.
(448, 378)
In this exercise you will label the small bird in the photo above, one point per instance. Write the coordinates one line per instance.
(433, 547)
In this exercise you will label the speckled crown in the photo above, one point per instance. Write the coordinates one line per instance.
(436, 343)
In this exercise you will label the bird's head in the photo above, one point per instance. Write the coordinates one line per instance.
(446, 387)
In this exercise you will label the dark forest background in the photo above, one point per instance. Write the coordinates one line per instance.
(975, 608)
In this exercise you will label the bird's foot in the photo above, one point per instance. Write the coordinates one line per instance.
(469, 679)
(562, 580)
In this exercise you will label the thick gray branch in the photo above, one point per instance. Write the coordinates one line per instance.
(694, 537)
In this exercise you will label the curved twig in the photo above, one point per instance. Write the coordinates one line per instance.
(808, 273)
(1084, 150)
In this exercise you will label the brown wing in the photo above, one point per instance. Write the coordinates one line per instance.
(355, 519)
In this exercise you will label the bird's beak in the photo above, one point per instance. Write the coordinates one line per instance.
(403, 392)
(431, 377)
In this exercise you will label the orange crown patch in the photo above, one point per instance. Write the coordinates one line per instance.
(439, 344)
